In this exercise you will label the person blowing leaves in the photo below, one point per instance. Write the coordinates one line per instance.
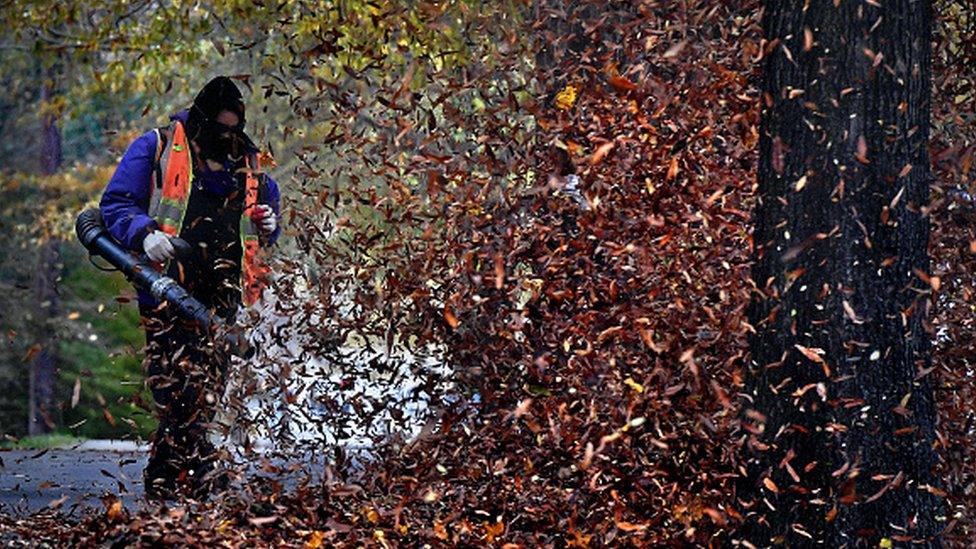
(198, 179)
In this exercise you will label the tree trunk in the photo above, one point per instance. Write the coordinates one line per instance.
(838, 407)
(51, 153)
(43, 373)
(43, 370)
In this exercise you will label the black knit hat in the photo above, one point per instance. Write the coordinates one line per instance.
(220, 94)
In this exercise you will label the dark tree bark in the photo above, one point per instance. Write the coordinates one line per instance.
(43, 369)
(51, 153)
(839, 406)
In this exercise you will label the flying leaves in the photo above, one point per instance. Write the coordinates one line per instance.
(537, 335)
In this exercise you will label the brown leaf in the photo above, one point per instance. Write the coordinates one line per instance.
(673, 169)
(850, 313)
(779, 153)
(812, 353)
(32, 352)
(674, 50)
(499, 271)
(862, 150)
(76, 393)
(57, 503)
(263, 521)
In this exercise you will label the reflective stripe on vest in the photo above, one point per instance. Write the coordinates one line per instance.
(168, 206)
(253, 270)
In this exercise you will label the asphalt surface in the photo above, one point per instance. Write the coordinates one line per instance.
(72, 480)
(69, 480)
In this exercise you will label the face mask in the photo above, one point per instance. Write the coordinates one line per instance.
(219, 142)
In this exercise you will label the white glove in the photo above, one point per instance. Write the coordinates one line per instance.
(158, 247)
(268, 221)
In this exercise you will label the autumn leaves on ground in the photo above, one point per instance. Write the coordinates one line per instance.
(598, 341)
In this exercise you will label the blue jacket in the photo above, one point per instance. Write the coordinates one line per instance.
(125, 202)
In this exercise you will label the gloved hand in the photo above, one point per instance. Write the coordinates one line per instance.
(263, 215)
(158, 247)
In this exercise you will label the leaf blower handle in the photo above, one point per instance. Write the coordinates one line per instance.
(160, 247)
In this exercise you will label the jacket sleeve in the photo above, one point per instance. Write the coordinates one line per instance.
(274, 200)
(125, 202)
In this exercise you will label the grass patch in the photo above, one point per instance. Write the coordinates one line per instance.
(101, 353)
(41, 442)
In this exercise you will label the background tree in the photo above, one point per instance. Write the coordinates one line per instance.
(43, 368)
(839, 400)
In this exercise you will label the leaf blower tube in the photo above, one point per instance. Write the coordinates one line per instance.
(93, 235)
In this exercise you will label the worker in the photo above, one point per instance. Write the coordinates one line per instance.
(198, 179)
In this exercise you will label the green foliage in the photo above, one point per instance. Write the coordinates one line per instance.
(99, 336)
(100, 352)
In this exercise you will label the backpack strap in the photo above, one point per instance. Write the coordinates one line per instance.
(162, 137)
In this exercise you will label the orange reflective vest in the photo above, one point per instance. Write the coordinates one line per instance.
(171, 186)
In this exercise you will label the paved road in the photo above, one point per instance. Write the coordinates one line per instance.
(73, 479)
(69, 479)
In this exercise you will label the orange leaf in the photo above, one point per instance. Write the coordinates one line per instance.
(933, 281)
(499, 271)
(601, 152)
(630, 526)
(715, 515)
(32, 352)
(315, 540)
(114, 511)
(450, 318)
(492, 531)
(439, 530)
(673, 168)
(831, 514)
(266, 159)
(622, 84)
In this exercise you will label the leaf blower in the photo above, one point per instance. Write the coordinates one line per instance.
(140, 271)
